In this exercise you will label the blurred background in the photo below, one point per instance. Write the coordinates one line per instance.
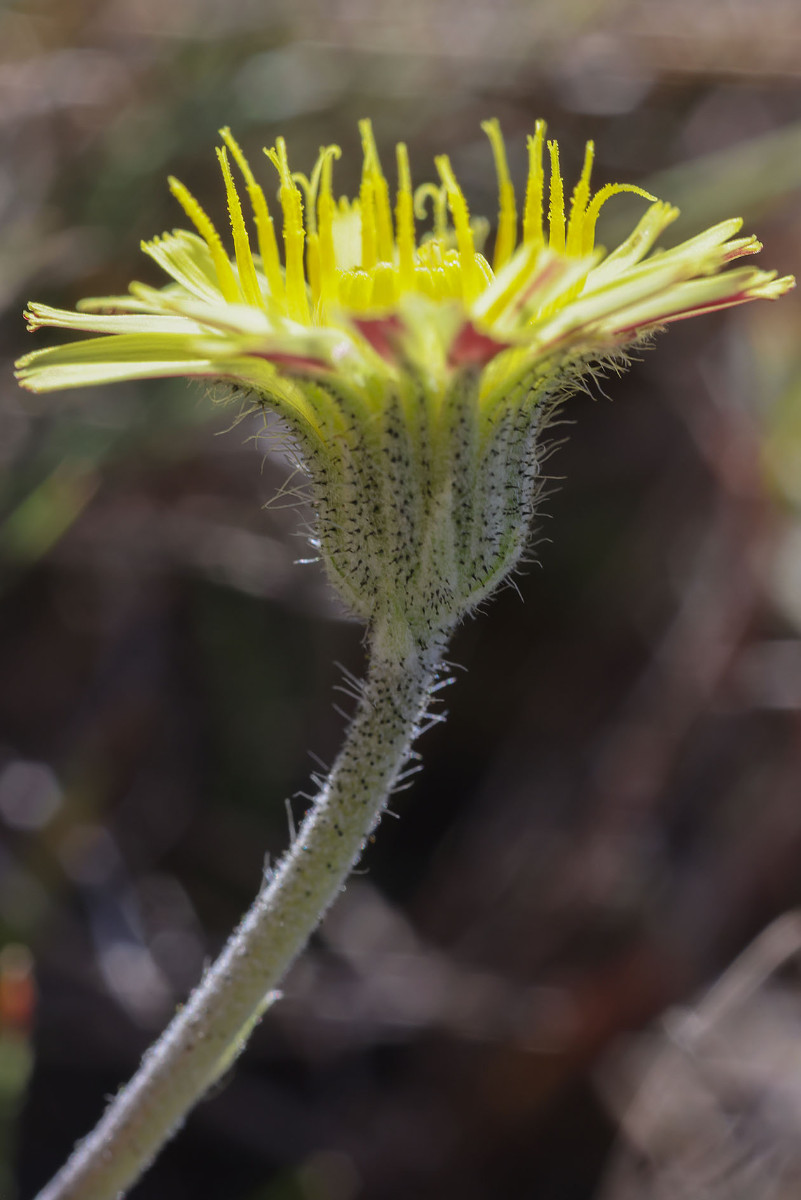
(612, 810)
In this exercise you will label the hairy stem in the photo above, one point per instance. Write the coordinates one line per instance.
(207, 1034)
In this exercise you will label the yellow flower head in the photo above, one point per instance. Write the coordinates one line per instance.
(415, 374)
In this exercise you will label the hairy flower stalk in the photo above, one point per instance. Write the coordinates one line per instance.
(416, 379)
(208, 1033)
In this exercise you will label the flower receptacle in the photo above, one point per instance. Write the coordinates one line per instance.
(425, 507)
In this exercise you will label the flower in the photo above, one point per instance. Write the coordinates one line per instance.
(415, 376)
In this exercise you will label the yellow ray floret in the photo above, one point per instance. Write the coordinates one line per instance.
(535, 190)
(248, 281)
(265, 229)
(404, 220)
(225, 275)
(350, 266)
(506, 236)
(326, 217)
(297, 300)
(375, 186)
(556, 208)
(461, 223)
(362, 255)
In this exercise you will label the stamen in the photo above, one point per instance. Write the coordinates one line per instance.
(310, 188)
(404, 218)
(507, 205)
(579, 202)
(655, 219)
(385, 243)
(202, 223)
(355, 290)
(326, 212)
(439, 206)
(424, 282)
(385, 292)
(369, 232)
(313, 272)
(452, 273)
(265, 229)
(244, 259)
(485, 269)
(532, 215)
(294, 234)
(439, 283)
(307, 186)
(461, 224)
(430, 253)
(596, 204)
(556, 208)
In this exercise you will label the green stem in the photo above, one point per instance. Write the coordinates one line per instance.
(210, 1030)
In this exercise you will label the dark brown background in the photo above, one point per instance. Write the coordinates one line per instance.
(613, 808)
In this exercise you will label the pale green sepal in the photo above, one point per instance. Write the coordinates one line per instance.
(186, 258)
(121, 304)
(39, 315)
(653, 222)
(695, 296)
(124, 347)
(108, 359)
(652, 283)
(47, 378)
(248, 329)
